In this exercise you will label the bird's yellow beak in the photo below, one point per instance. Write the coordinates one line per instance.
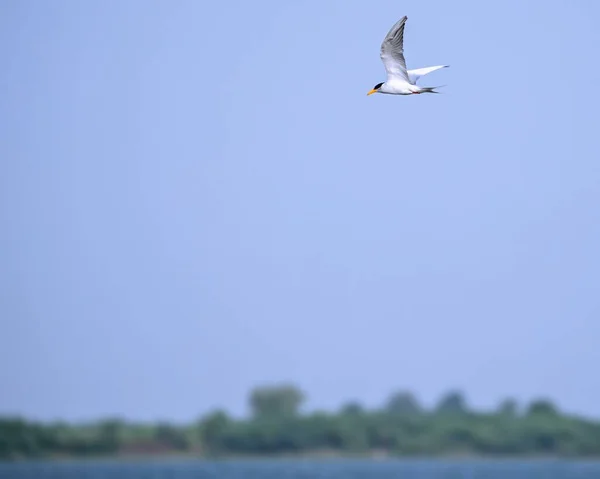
(371, 92)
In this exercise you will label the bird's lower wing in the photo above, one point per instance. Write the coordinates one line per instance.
(417, 73)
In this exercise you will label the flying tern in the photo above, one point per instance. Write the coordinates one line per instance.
(400, 81)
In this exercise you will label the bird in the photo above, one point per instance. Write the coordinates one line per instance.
(400, 81)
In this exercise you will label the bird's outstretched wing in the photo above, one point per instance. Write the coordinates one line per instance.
(392, 52)
(417, 73)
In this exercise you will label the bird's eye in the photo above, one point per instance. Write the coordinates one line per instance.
(378, 86)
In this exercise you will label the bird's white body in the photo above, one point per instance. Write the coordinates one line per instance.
(399, 86)
(400, 81)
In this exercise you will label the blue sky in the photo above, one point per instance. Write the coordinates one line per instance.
(198, 197)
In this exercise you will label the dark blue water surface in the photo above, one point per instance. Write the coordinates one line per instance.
(296, 469)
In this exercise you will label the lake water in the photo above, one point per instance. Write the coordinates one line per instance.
(295, 469)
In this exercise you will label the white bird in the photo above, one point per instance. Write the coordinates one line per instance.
(400, 81)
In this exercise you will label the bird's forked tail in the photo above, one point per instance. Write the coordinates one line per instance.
(430, 89)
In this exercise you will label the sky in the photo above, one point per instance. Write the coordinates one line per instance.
(197, 198)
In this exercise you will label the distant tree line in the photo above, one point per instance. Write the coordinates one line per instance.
(277, 426)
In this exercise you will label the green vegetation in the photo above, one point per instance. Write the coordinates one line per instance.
(277, 426)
